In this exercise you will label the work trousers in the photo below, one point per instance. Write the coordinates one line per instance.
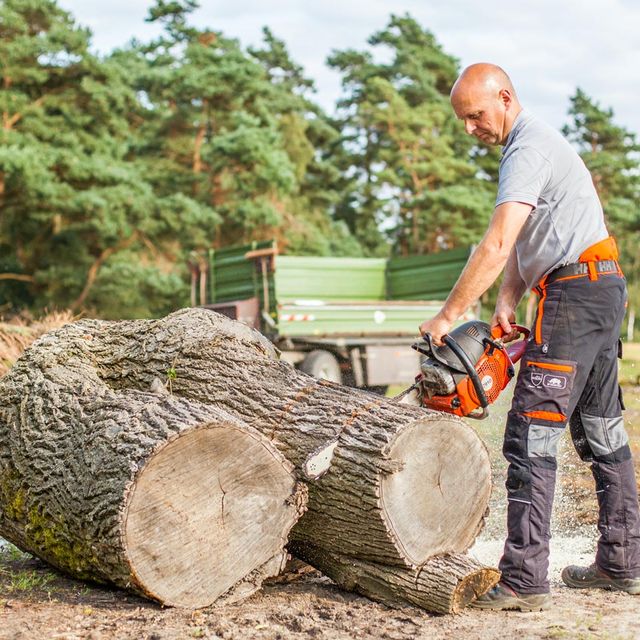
(569, 374)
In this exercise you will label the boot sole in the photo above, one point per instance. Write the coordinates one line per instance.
(517, 604)
(603, 583)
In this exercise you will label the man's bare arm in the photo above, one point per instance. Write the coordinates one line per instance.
(483, 267)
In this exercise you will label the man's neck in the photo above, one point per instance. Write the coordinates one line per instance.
(511, 115)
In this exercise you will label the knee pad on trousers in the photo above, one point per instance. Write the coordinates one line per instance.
(519, 481)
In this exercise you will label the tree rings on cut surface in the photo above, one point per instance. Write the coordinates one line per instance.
(431, 490)
(207, 509)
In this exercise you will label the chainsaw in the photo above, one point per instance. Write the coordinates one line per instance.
(468, 372)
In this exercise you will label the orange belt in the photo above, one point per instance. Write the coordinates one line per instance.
(604, 252)
(598, 259)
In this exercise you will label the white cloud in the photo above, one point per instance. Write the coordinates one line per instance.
(549, 47)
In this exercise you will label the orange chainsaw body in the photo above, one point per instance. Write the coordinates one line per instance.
(494, 369)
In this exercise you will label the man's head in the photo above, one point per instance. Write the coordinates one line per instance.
(485, 100)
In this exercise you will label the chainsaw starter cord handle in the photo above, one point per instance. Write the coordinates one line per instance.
(473, 374)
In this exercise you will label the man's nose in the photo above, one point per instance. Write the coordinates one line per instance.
(469, 126)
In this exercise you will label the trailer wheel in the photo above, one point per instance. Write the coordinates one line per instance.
(322, 364)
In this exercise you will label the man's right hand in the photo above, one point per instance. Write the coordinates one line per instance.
(505, 316)
(437, 327)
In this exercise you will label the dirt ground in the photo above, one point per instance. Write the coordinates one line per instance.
(36, 602)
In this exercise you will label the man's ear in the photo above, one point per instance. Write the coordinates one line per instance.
(505, 97)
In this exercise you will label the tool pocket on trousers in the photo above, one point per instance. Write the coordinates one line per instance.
(551, 299)
(519, 523)
(544, 389)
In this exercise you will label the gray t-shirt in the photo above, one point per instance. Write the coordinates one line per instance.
(539, 167)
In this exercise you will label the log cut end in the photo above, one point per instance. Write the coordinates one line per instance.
(209, 508)
(436, 502)
(474, 585)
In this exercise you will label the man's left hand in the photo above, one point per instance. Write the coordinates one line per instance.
(437, 326)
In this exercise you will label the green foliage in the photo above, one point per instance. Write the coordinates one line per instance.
(114, 170)
(612, 155)
(411, 168)
(72, 192)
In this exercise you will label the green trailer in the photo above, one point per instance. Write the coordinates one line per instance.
(350, 320)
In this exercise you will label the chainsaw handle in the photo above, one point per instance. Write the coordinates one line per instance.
(479, 416)
(470, 369)
(429, 351)
(498, 332)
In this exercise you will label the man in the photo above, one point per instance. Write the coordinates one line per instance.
(548, 233)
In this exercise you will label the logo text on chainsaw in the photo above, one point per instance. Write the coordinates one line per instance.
(487, 382)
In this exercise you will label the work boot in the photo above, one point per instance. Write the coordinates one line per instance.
(593, 578)
(504, 598)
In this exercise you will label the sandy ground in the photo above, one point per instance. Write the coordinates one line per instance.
(308, 605)
(38, 603)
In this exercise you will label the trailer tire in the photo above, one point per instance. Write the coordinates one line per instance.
(323, 365)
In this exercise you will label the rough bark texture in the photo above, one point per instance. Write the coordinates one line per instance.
(390, 486)
(102, 483)
(443, 584)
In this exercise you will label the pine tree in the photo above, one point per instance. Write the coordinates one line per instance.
(309, 139)
(208, 131)
(412, 167)
(79, 220)
(612, 155)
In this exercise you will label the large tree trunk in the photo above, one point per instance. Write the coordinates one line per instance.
(390, 486)
(171, 498)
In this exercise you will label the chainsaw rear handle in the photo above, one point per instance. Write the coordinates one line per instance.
(498, 332)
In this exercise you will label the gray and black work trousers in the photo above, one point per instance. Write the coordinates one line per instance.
(569, 374)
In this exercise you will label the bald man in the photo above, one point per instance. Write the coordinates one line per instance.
(548, 234)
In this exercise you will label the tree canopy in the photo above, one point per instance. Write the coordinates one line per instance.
(115, 169)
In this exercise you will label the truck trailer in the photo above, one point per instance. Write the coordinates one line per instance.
(349, 320)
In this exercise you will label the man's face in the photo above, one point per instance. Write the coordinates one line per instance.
(483, 116)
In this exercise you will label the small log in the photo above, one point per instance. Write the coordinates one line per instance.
(443, 584)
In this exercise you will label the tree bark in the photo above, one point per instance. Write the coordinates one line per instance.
(170, 498)
(390, 486)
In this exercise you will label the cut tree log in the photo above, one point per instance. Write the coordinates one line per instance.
(391, 487)
(443, 584)
(170, 498)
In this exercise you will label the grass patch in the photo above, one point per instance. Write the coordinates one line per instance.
(16, 578)
(629, 372)
(25, 581)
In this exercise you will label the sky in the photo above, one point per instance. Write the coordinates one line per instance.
(548, 47)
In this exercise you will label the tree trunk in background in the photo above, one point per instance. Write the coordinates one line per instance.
(390, 486)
